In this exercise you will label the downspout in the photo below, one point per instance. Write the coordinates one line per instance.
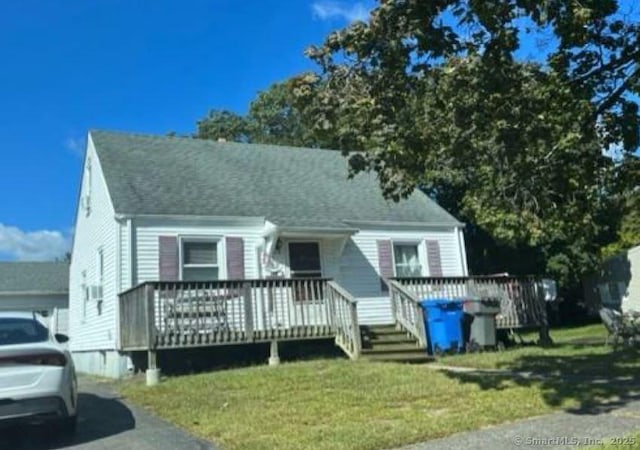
(118, 281)
(132, 253)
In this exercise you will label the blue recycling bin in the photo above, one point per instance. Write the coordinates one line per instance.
(443, 322)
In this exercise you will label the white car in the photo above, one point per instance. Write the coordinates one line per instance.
(37, 377)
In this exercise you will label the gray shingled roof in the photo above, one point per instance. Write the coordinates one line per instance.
(297, 187)
(43, 277)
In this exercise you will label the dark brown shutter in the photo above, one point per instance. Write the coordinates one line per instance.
(385, 262)
(168, 258)
(235, 258)
(433, 259)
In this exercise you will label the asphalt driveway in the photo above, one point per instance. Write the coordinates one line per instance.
(105, 422)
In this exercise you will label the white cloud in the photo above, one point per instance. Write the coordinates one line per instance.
(42, 245)
(329, 9)
(75, 145)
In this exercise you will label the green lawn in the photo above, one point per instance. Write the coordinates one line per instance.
(333, 404)
(340, 404)
(576, 351)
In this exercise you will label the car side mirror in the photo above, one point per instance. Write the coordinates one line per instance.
(61, 338)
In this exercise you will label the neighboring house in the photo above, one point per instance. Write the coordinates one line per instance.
(42, 287)
(616, 284)
(167, 209)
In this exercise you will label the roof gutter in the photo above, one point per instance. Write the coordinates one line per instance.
(284, 231)
(29, 293)
(405, 224)
(224, 219)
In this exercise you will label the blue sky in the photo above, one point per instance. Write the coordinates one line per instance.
(145, 66)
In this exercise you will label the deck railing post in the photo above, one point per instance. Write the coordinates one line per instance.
(248, 311)
(153, 372)
(355, 330)
(123, 316)
(421, 316)
(150, 315)
(274, 357)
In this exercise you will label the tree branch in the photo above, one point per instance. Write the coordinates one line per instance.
(615, 95)
(611, 65)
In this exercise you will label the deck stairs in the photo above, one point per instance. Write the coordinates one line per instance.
(386, 343)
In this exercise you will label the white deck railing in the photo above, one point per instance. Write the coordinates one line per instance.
(156, 315)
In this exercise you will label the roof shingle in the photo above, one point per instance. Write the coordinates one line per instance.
(43, 277)
(157, 175)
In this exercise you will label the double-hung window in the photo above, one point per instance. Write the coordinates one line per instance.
(406, 260)
(200, 260)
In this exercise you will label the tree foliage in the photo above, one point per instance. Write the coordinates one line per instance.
(227, 125)
(272, 119)
(434, 95)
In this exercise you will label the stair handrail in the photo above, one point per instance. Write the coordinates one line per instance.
(407, 312)
(344, 310)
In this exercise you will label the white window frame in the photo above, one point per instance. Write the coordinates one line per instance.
(419, 250)
(99, 275)
(218, 240)
(304, 241)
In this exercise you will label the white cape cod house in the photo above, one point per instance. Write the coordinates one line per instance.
(182, 242)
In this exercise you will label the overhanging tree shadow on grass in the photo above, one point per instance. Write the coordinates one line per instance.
(594, 383)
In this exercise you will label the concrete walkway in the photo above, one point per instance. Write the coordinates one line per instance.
(561, 430)
(557, 431)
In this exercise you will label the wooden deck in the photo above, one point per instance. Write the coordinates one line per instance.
(522, 304)
(164, 315)
(172, 315)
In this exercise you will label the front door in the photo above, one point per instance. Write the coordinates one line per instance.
(304, 260)
(308, 297)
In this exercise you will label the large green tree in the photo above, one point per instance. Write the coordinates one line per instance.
(273, 118)
(227, 125)
(433, 95)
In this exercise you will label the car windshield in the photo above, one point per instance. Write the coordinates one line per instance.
(14, 330)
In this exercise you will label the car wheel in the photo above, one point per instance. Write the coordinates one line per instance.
(68, 425)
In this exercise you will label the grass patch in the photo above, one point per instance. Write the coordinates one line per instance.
(577, 351)
(330, 404)
(339, 404)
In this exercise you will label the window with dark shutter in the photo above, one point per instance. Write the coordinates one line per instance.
(235, 258)
(168, 258)
(433, 259)
(385, 262)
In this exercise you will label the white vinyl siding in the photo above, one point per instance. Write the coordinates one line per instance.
(124, 229)
(360, 275)
(148, 231)
(96, 331)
